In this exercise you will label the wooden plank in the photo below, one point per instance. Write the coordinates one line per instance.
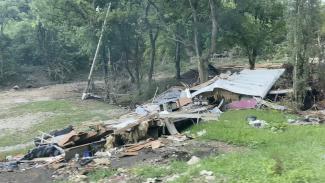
(71, 152)
(180, 115)
(283, 91)
(171, 127)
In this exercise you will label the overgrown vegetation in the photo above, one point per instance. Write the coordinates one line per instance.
(61, 36)
(295, 154)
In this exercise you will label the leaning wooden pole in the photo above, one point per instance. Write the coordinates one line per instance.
(86, 92)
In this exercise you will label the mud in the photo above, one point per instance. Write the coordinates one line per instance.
(35, 175)
(180, 151)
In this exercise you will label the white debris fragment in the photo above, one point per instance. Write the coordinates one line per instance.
(258, 123)
(151, 180)
(164, 112)
(141, 111)
(209, 179)
(194, 160)
(201, 133)
(206, 173)
(172, 178)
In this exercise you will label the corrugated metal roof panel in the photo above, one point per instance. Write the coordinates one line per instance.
(248, 82)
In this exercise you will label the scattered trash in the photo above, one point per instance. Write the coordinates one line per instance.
(102, 161)
(152, 180)
(9, 166)
(44, 151)
(194, 160)
(177, 137)
(118, 139)
(256, 123)
(270, 105)
(308, 120)
(16, 87)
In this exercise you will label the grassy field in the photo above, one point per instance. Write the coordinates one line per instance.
(279, 153)
(63, 113)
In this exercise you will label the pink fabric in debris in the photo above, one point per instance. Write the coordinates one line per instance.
(243, 104)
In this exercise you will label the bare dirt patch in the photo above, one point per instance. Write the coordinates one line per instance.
(59, 91)
(176, 151)
(35, 175)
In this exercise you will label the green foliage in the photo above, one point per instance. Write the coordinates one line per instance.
(256, 26)
(304, 25)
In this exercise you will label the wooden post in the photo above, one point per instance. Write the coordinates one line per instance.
(87, 89)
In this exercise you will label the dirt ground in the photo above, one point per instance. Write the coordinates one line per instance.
(59, 91)
(36, 175)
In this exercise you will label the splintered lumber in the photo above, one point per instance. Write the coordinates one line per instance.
(133, 150)
(270, 105)
(171, 127)
(130, 123)
(283, 91)
(180, 115)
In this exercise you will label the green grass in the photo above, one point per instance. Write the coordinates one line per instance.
(66, 112)
(100, 174)
(291, 154)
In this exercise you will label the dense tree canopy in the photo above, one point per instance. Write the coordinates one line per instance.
(62, 35)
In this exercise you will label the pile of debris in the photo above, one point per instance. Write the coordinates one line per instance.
(141, 129)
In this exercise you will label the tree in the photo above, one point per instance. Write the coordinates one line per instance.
(254, 26)
(204, 59)
(303, 23)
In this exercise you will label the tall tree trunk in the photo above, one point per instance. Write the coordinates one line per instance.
(252, 54)
(202, 65)
(300, 42)
(1, 65)
(137, 65)
(177, 55)
(111, 65)
(214, 30)
(153, 39)
(321, 54)
(178, 60)
(125, 41)
(106, 76)
(127, 66)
